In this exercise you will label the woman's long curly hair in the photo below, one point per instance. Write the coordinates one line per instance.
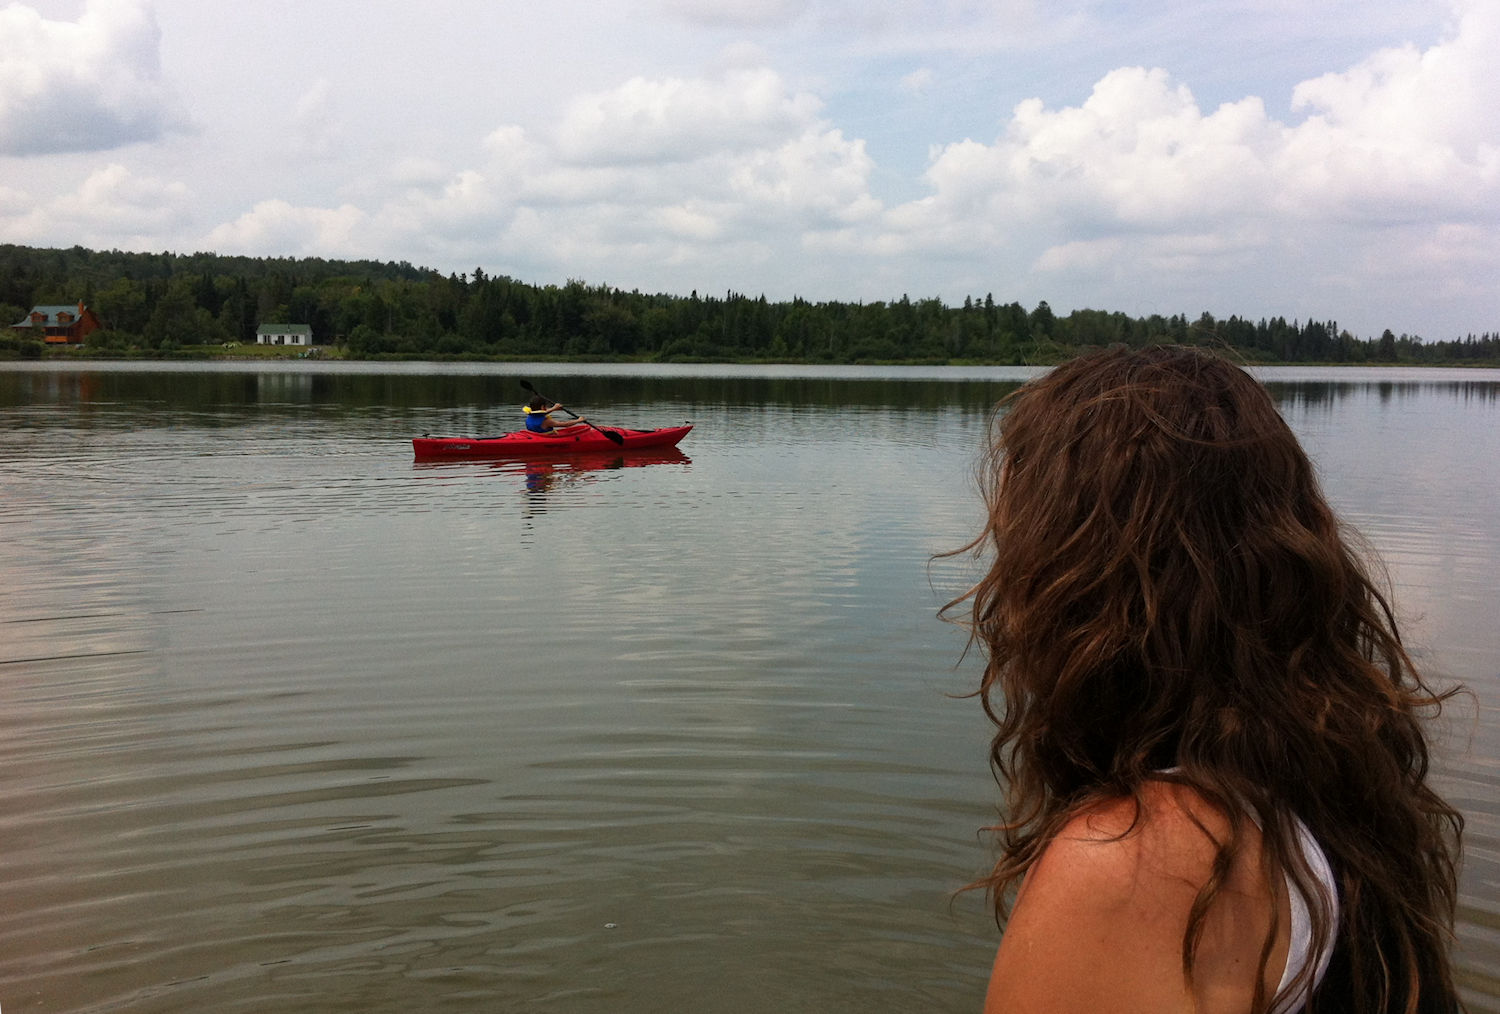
(1171, 596)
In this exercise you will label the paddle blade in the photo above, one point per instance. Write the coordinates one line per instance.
(613, 436)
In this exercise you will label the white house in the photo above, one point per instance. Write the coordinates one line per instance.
(283, 334)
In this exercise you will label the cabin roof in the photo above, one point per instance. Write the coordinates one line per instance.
(51, 314)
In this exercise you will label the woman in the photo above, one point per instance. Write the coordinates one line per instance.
(1209, 731)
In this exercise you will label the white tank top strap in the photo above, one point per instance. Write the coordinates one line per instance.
(1304, 948)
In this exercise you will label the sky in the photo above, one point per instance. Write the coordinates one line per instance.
(1336, 160)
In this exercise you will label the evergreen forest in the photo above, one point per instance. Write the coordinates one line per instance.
(175, 304)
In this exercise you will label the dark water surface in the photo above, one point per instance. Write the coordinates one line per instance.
(290, 722)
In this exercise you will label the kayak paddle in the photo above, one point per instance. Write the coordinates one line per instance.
(612, 437)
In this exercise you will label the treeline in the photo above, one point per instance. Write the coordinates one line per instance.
(166, 301)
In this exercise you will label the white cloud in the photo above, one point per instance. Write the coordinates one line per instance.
(818, 177)
(277, 228)
(918, 81)
(111, 207)
(1139, 153)
(126, 202)
(948, 26)
(1405, 135)
(314, 128)
(417, 171)
(692, 221)
(89, 85)
(12, 202)
(467, 204)
(675, 120)
(1440, 94)
(741, 55)
(573, 202)
(1088, 254)
(1139, 179)
(736, 13)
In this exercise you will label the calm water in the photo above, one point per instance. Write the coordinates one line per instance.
(289, 722)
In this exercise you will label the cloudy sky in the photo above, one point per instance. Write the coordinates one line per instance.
(1338, 159)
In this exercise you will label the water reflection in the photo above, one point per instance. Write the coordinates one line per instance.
(541, 475)
(286, 720)
(353, 391)
(1479, 390)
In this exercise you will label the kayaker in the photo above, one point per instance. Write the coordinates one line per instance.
(1214, 746)
(539, 419)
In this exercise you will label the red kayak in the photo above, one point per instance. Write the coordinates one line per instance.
(526, 444)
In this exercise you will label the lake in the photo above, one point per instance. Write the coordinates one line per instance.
(289, 721)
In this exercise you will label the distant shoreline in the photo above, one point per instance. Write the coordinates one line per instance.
(333, 353)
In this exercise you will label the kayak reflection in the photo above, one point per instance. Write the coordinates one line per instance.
(541, 473)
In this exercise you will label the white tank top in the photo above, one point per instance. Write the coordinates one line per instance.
(1303, 947)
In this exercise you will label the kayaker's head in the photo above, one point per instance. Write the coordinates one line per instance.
(1169, 585)
(537, 404)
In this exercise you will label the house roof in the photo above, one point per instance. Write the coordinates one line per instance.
(51, 312)
(284, 329)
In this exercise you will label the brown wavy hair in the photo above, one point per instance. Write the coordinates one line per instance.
(1171, 596)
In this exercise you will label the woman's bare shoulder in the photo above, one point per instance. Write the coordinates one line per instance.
(1166, 823)
(1104, 911)
(1151, 854)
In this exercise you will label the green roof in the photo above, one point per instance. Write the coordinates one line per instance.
(284, 329)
